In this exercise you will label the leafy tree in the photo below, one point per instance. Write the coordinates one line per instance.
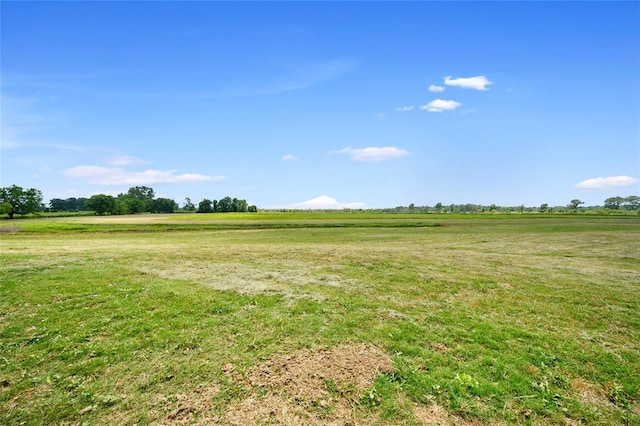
(544, 207)
(102, 204)
(225, 205)
(188, 205)
(252, 209)
(119, 207)
(164, 205)
(238, 205)
(632, 202)
(141, 193)
(205, 206)
(5, 208)
(22, 201)
(574, 204)
(143, 196)
(58, 205)
(613, 203)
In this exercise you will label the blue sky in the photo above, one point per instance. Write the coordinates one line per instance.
(323, 104)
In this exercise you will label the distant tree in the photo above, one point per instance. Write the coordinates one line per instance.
(22, 201)
(205, 206)
(164, 205)
(252, 209)
(119, 207)
(144, 199)
(544, 207)
(102, 204)
(136, 205)
(188, 205)
(412, 207)
(239, 205)
(574, 204)
(438, 207)
(141, 192)
(225, 205)
(632, 202)
(613, 203)
(58, 205)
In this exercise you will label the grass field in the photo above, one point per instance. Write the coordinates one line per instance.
(320, 319)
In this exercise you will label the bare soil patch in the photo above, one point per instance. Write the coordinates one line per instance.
(313, 387)
(310, 387)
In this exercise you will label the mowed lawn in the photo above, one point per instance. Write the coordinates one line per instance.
(162, 319)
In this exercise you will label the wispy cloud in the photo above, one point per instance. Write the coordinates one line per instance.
(289, 157)
(478, 83)
(436, 89)
(607, 182)
(439, 105)
(373, 154)
(405, 109)
(118, 176)
(325, 202)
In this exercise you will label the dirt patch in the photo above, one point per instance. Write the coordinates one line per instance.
(318, 387)
(193, 408)
(310, 387)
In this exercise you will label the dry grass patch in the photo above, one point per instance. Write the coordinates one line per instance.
(286, 278)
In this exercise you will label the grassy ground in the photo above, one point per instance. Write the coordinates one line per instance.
(527, 320)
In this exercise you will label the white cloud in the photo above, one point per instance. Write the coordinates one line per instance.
(436, 89)
(289, 157)
(125, 160)
(405, 109)
(373, 154)
(439, 105)
(118, 176)
(479, 83)
(325, 202)
(607, 182)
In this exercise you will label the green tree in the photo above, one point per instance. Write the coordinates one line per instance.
(613, 203)
(22, 201)
(632, 202)
(58, 205)
(544, 207)
(252, 209)
(238, 205)
(143, 196)
(205, 206)
(164, 205)
(5, 208)
(102, 204)
(188, 205)
(574, 204)
(225, 205)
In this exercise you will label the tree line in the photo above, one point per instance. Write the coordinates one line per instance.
(139, 199)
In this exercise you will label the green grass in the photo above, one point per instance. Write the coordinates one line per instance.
(518, 320)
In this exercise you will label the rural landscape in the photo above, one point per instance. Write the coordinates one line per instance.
(320, 318)
(319, 213)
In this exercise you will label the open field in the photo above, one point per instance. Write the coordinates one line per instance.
(328, 319)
